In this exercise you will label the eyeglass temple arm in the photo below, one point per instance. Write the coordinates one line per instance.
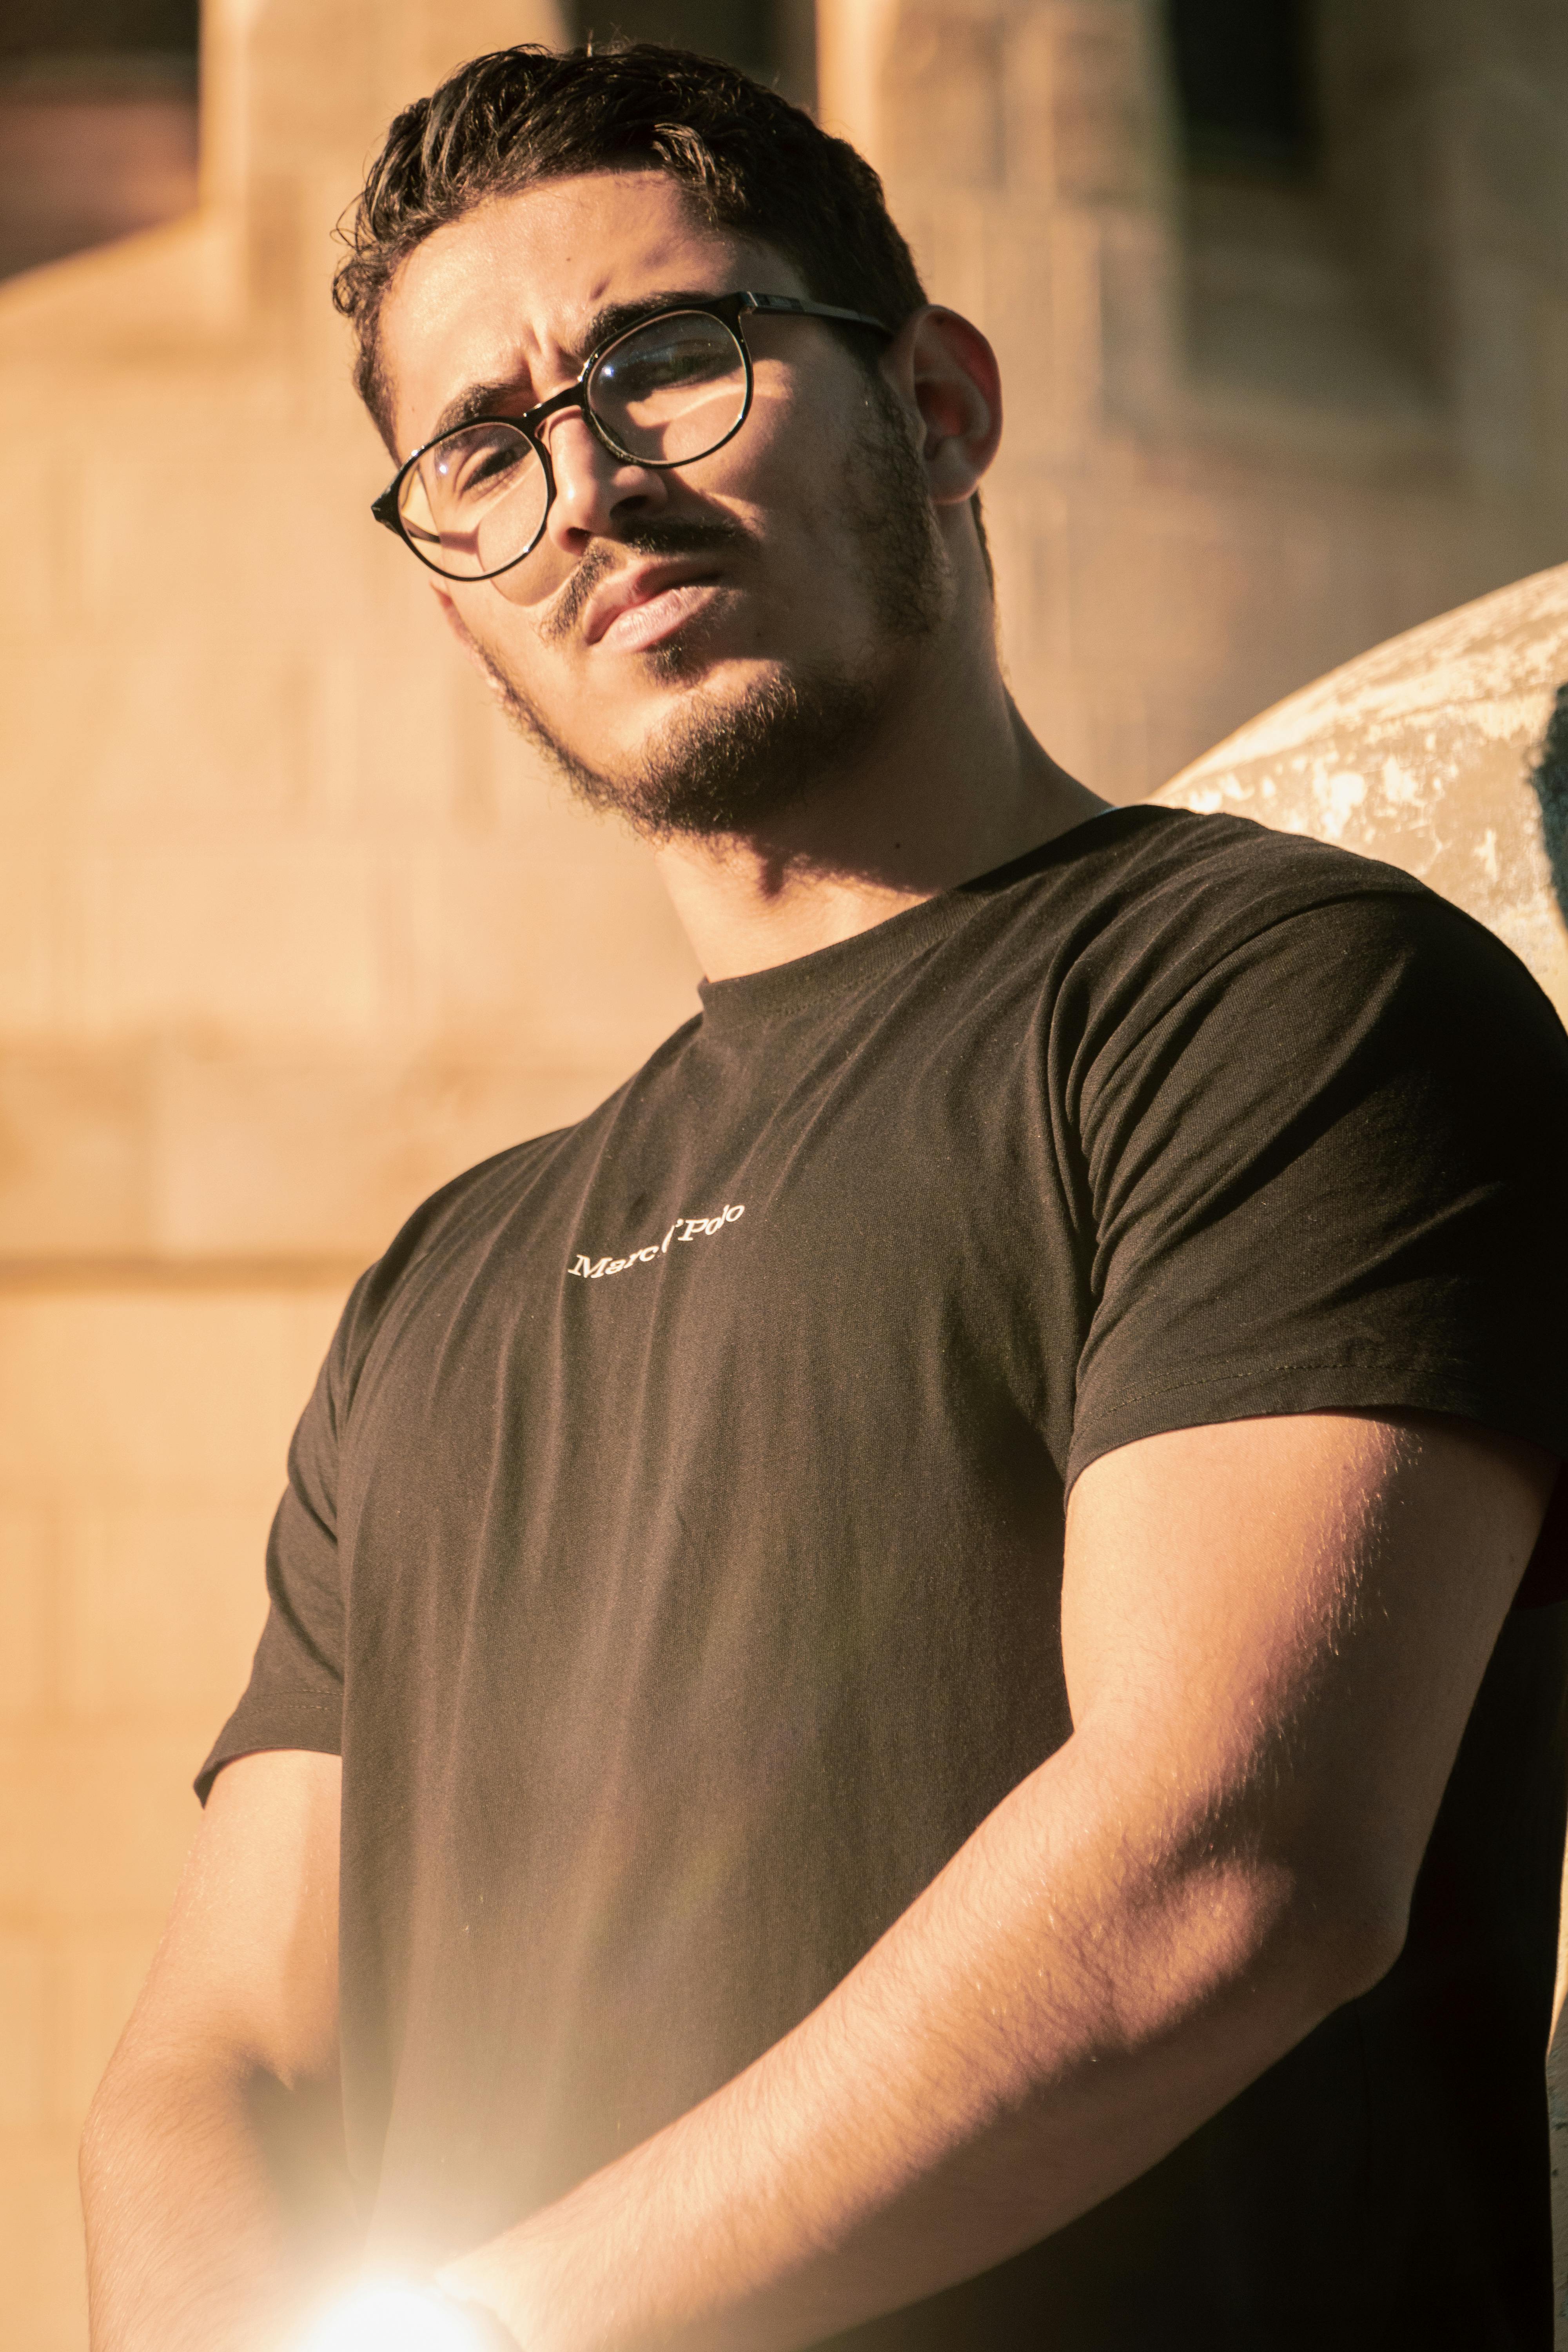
(788, 304)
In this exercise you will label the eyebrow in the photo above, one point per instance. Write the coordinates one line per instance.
(477, 400)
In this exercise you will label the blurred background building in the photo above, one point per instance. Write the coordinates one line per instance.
(290, 930)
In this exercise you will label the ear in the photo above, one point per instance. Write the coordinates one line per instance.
(946, 373)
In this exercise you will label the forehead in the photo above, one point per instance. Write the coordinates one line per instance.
(508, 295)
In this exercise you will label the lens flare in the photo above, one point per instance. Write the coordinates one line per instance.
(390, 2318)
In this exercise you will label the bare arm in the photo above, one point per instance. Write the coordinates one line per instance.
(1274, 1632)
(207, 2183)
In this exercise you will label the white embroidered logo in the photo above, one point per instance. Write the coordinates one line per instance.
(685, 1229)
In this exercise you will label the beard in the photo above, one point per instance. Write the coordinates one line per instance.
(726, 765)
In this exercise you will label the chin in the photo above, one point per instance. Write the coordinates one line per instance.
(745, 742)
(729, 742)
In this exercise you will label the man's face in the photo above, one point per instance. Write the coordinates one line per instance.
(691, 646)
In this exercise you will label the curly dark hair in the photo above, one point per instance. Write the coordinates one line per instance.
(752, 161)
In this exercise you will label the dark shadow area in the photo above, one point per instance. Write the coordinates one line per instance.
(1245, 85)
(773, 39)
(1551, 782)
(1283, 330)
(97, 123)
(92, 29)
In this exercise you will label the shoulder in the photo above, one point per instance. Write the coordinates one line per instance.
(1216, 877)
(1166, 903)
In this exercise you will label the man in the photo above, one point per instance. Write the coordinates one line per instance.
(915, 1638)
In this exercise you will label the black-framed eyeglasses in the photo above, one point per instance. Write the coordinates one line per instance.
(674, 388)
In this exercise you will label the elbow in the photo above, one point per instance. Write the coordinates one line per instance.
(1327, 1937)
(1353, 1938)
(1270, 1941)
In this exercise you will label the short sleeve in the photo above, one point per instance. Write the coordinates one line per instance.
(1327, 1171)
(294, 1696)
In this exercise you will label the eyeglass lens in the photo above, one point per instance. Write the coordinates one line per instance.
(664, 395)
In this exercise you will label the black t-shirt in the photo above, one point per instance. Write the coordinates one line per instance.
(673, 1544)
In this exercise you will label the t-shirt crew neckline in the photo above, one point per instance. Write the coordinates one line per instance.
(806, 980)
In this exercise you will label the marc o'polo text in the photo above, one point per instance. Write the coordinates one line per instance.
(684, 1229)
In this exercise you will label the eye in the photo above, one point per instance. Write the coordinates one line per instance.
(479, 461)
(669, 355)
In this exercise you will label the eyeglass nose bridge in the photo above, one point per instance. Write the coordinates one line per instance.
(570, 395)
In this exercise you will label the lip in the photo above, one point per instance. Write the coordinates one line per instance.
(650, 601)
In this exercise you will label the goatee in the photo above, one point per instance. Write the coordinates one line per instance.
(727, 764)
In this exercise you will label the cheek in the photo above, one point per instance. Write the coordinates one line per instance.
(526, 590)
(784, 471)
(776, 454)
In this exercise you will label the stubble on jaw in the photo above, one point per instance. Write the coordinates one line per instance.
(728, 765)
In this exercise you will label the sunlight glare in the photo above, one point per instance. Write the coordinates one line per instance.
(389, 2317)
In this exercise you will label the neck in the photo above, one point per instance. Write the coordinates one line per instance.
(952, 785)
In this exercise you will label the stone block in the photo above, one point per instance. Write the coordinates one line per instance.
(237, 938)
(29, 997)
(1103, 134)
(40, 491)
(310, 1160)
(942, 97)
(1141, 325)
(41, 2258)
(161, 1604)
(81, 167)
(97, 1824)
(75, 1142)
(133, 1392)
(29, 1633)
(952, 235)
(1028, 101)
(582, 964)
(1018, 297)
(1119, 739)
(27, 2033)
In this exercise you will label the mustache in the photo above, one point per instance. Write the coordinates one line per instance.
(669, 536)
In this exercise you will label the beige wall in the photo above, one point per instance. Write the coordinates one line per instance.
(290, 930)
(1229, 463)
(141, 1429)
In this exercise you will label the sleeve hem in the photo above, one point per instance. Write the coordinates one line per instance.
(1445, 1388)
(302, 1722)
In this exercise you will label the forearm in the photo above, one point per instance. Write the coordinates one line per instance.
(1048, 2021)
(202, 2232)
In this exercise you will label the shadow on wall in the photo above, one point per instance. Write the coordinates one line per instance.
(1551, 782)
(774, 39)
(97, 123)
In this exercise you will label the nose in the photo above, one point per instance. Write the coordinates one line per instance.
(593, 490)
